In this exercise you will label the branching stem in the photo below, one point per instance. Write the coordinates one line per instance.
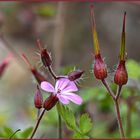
(115, 99)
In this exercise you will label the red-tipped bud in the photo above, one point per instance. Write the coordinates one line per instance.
(38, 99)
(50, 102)
(74, 75)
(38, 76)
(121, 76)
(45, 56)
(99, 68)
(4, 64)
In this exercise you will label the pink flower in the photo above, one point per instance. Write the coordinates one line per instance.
(63, 90)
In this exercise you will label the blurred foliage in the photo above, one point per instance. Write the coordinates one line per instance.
(7, 132)
(46, 10)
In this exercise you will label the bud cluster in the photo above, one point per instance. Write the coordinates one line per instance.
(51, 101)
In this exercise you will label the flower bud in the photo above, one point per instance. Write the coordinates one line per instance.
(50, 102)
(72, 76)
(99, 68)
(38, 99)
(45, 56)
(38, 76)
(121, 76)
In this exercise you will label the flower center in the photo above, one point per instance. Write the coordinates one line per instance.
(59, 91)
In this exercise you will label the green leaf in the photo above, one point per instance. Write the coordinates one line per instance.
(85, 123)
(8, 132)
(133, 69)
(80, 136)
(68, 116)
(26, 133)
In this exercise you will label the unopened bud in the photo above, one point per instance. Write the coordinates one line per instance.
(121, 76)
(99, 68)
(72, 76)
(38, 99)
(45, 56)
(38, 76)
(50, 102)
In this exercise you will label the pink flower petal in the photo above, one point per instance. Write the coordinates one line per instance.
(71, 87)
(47, 87)
(61, 83)
(62, 99)
(73, 97)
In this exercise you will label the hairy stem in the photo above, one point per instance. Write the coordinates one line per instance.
(108, 89)
(115, 99)
(52, 72)
(37, 124)
(119, 118)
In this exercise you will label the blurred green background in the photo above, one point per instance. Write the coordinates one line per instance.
(65, 29)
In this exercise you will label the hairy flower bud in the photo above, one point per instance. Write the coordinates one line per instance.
(75, 75)
(121, 76)
(45, 56)
(38, 99)
(38, 76)
(99, 68)
(50, 102)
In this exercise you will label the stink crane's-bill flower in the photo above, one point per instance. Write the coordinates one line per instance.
(63, 91)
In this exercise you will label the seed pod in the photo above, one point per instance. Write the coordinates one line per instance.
(38, 99)
(45, 56)
(99, 68)
(50, 102)
(74, 75)
(121, 76)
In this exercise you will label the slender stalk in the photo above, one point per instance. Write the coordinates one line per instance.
(37, 124)
(115, 99)
(52, 72)
(118, 92)
(119, 118)
(128, 121)
(59, 126)
(108, 89)
(14, 133)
